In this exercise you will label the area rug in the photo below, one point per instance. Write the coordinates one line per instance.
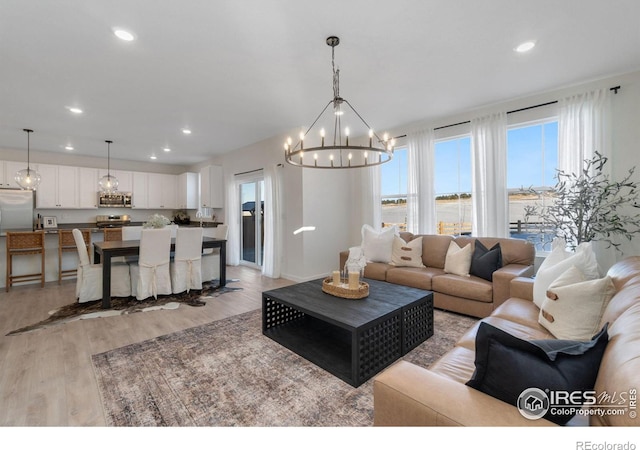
(227, 373)
(121, 306)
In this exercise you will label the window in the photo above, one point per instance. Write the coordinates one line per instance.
(453, 185)
(393, 178)
(532, 160)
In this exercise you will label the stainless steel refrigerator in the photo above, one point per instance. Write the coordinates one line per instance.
(16, 210)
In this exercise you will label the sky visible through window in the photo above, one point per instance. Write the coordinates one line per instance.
(531, 162)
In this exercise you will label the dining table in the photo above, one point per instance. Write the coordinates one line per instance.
(103, 252)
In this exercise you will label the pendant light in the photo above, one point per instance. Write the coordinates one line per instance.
(108, 183)
(28, 178)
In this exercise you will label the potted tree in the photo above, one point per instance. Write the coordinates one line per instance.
(589, 206)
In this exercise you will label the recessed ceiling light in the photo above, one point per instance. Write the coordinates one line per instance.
(525, 46)
(186, 131)
(74, 110)
(166, 149)
(123, 34)
(153, 157)
(68, 147)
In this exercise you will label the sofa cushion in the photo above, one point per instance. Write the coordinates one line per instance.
(514, 251)
(518, 310)
(473, 288)
(413, 277)
(506, 366)
(458, 260)
(485, 261)
(573, 307)
(558, 261)
(434, 249)
(377, 244)
(621, 365)
(528, 332)
(376, 271)
(457, 364)
(406, 254)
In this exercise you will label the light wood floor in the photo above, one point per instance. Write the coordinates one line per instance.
(46, 376)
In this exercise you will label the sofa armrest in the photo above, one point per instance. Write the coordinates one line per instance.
(502, 281)
(522, 287)
(344, 255)
(409, 395)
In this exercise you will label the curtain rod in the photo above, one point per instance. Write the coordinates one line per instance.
(615, 90)
(255, 170)
(248, 171)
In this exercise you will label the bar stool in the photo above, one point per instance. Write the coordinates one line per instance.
(112, 234)
(20, 243)
(67, 244)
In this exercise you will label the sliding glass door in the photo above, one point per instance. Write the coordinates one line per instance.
(251, 223)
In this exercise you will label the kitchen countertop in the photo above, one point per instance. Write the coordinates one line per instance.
(95, 229)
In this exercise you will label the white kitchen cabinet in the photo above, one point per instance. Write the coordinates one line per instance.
(162, 191)
(58, 187)
(87, 188)
(140, 192)
(188, 190)
(211, 187)
(125, 179)
(8, 170)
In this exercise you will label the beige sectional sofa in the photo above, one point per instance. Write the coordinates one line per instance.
(469, 295)
(406, 394)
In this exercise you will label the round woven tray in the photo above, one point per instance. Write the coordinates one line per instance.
(343, 291)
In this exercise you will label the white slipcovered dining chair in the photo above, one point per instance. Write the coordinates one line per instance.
(186, 270)
(211, 256)
(150, 276)
(131, 233)
(89, 276)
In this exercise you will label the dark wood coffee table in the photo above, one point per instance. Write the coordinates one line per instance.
(352, 339)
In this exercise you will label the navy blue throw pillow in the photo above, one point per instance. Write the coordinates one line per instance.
(485, 261)
(506, 366)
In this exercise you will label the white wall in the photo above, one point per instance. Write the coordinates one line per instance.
(311, 197)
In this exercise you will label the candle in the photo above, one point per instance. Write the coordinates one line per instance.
(346, 131)
(336, 278)
(322, 136)
(354, 280)
(370, 139)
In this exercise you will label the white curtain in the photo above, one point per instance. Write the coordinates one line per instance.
(272, 258)
(583, 128)
(371, 200)
(233, 220)
(421, 202)
(489, 176)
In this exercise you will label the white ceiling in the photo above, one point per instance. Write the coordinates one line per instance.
(240, 71)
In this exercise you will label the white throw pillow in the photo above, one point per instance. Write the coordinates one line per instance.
(558, 262)
(407, 254)
(377, 246)
(458, 260)
(574, 306)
